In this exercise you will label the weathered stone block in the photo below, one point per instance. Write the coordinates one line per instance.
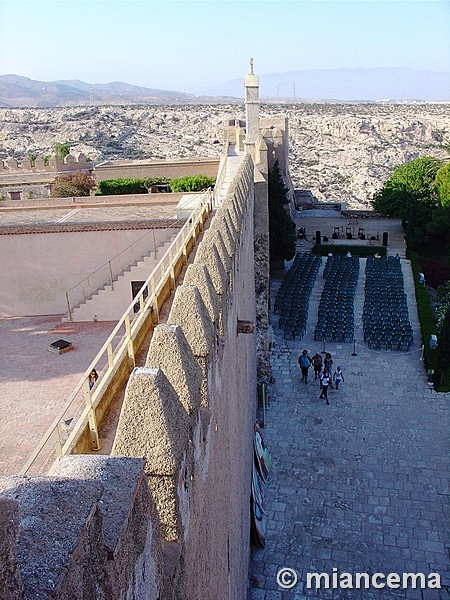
(170, 351)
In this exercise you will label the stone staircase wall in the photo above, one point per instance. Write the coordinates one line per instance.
(110, 302)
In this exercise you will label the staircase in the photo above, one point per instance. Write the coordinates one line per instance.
(108, 303)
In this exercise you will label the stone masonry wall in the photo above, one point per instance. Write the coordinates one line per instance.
(167, 516)
(90, 531)
(190, 411)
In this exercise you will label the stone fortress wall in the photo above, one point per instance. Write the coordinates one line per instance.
(167, 515)
(24, 180)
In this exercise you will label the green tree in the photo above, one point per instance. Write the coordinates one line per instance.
(281, 225)
(411, 187)
(61, 149)
(79, 183)
(32, 156)
(443, 185)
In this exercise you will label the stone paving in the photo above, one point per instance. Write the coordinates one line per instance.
(359, 485)
(100, 214)
(34, 382)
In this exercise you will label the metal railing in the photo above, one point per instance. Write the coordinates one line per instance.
(63, 431)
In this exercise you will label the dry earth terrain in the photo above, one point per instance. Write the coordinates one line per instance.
(341, 152)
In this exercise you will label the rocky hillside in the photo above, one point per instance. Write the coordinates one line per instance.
(341, 152)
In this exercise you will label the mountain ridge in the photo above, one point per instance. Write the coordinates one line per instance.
(17, 91)
(397, 84)
(365, 85)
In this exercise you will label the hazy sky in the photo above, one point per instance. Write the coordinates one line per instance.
(190, 45)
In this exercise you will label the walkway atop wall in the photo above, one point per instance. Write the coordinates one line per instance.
(359, 485)
(233, 161)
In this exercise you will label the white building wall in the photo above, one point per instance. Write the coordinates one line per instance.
(37, 269)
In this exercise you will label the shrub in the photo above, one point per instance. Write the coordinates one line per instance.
(436, 272)
(195, 183)
(444, 343)
(425, 311)
(114, 187)
(79, 183)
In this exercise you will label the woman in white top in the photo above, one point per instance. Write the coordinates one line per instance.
(325, 382)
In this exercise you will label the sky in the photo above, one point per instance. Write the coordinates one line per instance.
(190, 46)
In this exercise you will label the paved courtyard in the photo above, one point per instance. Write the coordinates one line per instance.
(35, 383)
(360, 485)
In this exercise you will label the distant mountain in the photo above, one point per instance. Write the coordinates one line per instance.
(347, 84)
(17, 91)
(350, 85)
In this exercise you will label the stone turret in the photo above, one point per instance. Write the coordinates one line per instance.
(251, 83)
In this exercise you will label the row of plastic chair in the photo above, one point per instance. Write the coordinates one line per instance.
(386, 324)
(292, 300)
(335, 315)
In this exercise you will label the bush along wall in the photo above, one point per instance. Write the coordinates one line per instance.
(426, 316)
(113, 187)
(195, 183)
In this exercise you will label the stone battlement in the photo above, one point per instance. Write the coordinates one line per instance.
(11, 166)
(106, 527)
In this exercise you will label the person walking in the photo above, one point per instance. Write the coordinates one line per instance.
(327, 366)
(317, 364)
(338, 376)
(324, 383)
(305, 362)
(93, 376)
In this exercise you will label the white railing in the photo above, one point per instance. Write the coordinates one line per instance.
(81, 404)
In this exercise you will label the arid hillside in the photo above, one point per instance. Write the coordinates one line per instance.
(341, 152)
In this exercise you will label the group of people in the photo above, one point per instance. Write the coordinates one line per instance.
(322, 371)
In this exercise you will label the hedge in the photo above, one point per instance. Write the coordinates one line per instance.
(361, 251)
(426, 316)
(194, 183)
(113, 187)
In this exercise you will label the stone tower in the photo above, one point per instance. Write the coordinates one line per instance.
(251, 83)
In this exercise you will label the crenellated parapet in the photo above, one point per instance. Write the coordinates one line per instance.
(52, 164)
(166, 515)
(90, 530)
(182, 412)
